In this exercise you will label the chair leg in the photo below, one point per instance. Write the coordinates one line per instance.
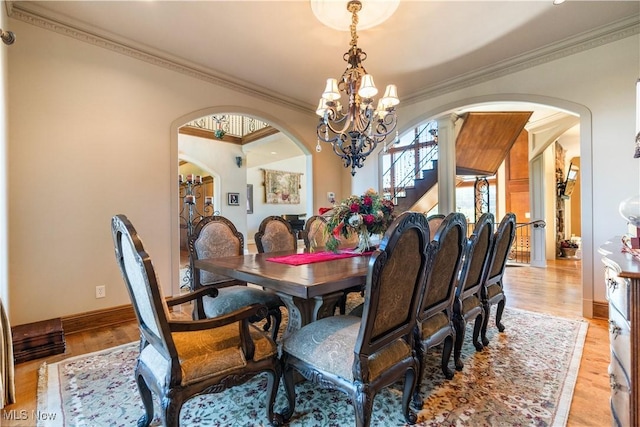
(277, 320)
(410, 385)
(171, 406)
(342, 304)
(499, 312)
(477, 326)
(459, 326)
(290, 390)
(420, 351)
(147, 402)
(363, 404)
(273, 381)
(446, 355)
(485, 323)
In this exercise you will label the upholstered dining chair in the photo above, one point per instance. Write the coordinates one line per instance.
(468, 304)
(434, 222)
(216, 236)
(181, 359)
(314, 236)
(435, 313)
(361, 356)
(314, 232)
(492, 291)
(274, 235)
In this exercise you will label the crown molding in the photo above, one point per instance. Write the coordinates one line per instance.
(17, 10)
(619, 30)
(588, 40)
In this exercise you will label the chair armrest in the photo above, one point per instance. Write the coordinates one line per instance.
(181, 299)
(243, 314)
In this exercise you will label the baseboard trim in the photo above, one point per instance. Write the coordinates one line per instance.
(112, 316)
(600, 309)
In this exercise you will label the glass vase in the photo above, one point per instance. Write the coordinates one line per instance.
(364, 242)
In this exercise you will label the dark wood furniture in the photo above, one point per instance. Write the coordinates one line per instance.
(467, 305)
(275, 234)
(435, 314)
(296, 221)
(181, 359)
(314, 232)
(622, 279)
(39, 339)
(310, 291)
(434, 222)
(216, 236)
(492, 291)
(361, 356)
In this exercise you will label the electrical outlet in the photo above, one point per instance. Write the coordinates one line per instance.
(101, 291)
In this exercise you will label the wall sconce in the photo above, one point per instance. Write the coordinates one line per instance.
(239, 161)
(8, 37)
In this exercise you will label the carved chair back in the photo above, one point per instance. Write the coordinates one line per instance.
(274, 235)
(434, 223)
(314, 233)
(395, 282)
(476, 257)
(214, 236)
(503, 239)
(445, 252)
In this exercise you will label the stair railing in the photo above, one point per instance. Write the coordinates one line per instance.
(520, 253)
(407, 166)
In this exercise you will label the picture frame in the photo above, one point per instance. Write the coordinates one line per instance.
(233, 199)
(249, 198)
(282, 187)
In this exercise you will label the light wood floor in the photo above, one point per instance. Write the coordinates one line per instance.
(555, 290)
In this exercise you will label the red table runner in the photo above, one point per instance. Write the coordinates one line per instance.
(310, 258)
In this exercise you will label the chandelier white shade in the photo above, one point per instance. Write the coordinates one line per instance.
(355, 128)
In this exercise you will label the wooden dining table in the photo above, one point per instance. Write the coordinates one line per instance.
(310, 291)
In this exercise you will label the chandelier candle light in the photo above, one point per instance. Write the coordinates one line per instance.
(355, 131)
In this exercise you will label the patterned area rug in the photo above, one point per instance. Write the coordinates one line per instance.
(525, 377)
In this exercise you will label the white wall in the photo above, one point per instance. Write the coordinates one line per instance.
(261, 209)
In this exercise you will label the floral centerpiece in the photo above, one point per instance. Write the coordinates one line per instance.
(568, 244)
(365, 215)
(568, 248)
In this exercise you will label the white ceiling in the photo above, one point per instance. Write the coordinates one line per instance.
(280, 49)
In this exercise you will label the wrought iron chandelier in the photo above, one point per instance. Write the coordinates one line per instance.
(355, 131)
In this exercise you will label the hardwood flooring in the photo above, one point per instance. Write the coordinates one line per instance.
(554, 290)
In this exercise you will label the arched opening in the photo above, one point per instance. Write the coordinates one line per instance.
(234, 164)
(563, 118)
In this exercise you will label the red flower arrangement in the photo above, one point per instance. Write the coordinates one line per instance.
(365, 215)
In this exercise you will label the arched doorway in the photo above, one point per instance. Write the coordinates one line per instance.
(541, 138)
(231, 162)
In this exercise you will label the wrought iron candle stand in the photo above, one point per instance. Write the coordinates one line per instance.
(190, 191)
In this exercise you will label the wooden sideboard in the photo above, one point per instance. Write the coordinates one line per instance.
(622, 277)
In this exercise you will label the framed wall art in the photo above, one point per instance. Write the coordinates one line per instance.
(282, 187)
(233, 199)
(249, 198)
